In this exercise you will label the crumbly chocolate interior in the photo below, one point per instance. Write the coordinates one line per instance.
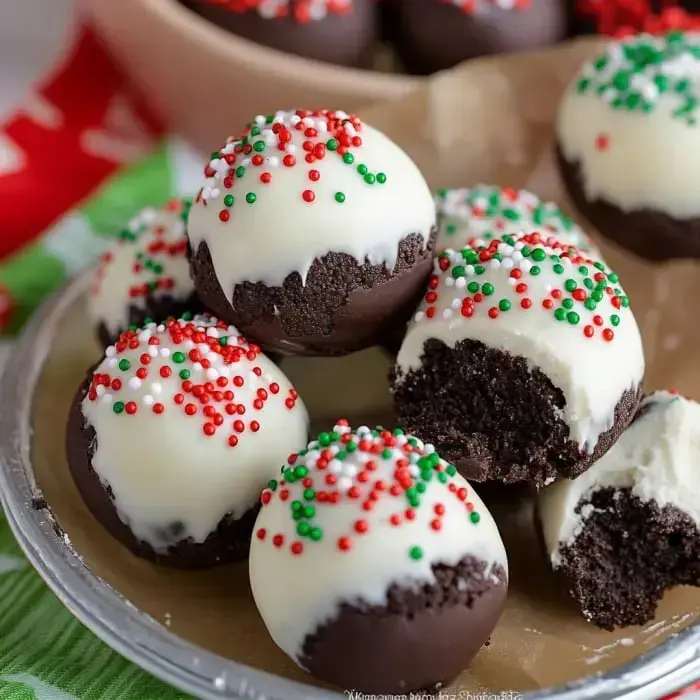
(157, 308)
(424, 635)
(332, 311)
(493, 417)
(648, 233)
(626, 555)
(229, 542)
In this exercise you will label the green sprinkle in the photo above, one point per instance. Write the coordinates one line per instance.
(332, 145)
(316, 534)
(504, 305)
(340, 197)
(362, 169)
(487, 288)
(473, 287)
(124, 365)
(615, 320)
(474, 517)
(303, 529)
(184, 374)
(259, 146)
(535, 270)
(348, 158)
(118, 406)
(251, 197)
(272, 484)
(370, 179)
(178, 357)
(229, 200)
(538, 254)
(560, 314)
(573, 318)
(381, 178)
(415, 553)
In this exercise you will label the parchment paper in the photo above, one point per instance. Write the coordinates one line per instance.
(488, 121)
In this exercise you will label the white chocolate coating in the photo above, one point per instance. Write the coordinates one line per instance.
(485, 212)
(280, 232)
(656, 457)
(592, 355)
(360, 552)
(150, 257)
(642, 157)
(160, 462)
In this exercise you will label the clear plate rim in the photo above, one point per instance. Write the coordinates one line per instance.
(665, 669)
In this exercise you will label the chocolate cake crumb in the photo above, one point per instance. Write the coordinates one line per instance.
(493, 416)
(371, 639)
(648, 233)
(340, 307)
(626, 555)
(39, 503)
(229, 542)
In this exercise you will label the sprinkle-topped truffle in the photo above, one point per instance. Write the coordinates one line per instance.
(628, 529)
(563, 311)
(191, 421)
(298, 185)
(655, 458)
(629, 120)
(354, 512)
(467, 216)
(146, 264)
(301, 11)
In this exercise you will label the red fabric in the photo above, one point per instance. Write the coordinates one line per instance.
(61, 169)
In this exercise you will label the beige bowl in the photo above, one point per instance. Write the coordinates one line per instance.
(209, 83)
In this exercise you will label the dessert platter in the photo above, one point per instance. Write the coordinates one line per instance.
(364, 415)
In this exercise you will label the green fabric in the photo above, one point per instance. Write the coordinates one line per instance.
(46, 654)
(78, 238)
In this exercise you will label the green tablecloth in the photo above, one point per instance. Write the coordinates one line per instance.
(46, 654)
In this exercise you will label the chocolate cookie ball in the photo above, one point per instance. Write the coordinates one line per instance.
(629, 144)
(173, 436)
(145, 275)
(482, 213)
(628, 529)
(523, 363)
(438, 34)
(335, 31)
(313, 234)
(393, 570)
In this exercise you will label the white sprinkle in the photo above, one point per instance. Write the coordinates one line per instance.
(447, 313)
(112, 362)
(456, 303)
(336, 466)
(148, 399)
(134, 383)
(212, 374)
(460, 282)
(449, 281)
(107, 398)
(197, 367)
(111, 351)
(165, 352)
(156, 388)
(419, 317)
(100, 389)
(344, 483)
(153, 350)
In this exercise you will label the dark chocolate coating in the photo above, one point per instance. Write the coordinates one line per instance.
(494, 418)
(435, 35)
(342, 39)
(422, 639)
(158, 308)
(627, 554)
(229, 542)
(650, 234)
(343, 307)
